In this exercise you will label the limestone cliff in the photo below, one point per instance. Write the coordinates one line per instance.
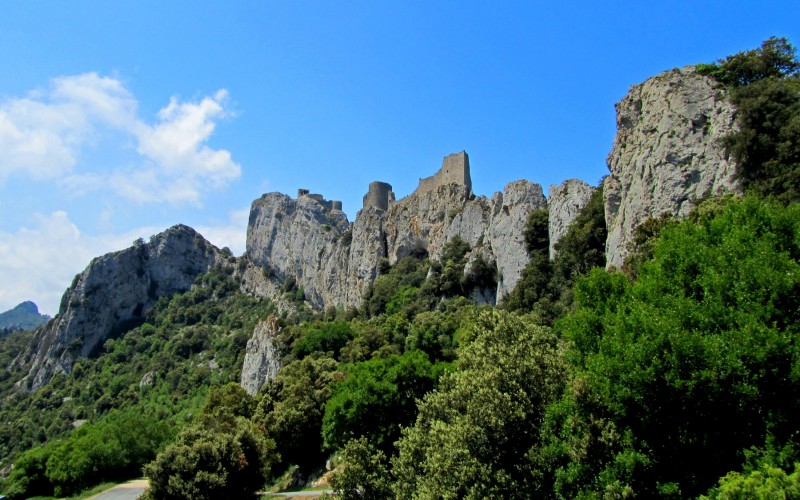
(565, 203)
(335, 261)
(666, 153)
(303, 240)
(113, 293)
(262, 358)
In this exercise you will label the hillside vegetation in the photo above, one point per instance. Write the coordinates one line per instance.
(677, 376)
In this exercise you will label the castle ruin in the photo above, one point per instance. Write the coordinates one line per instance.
(380, 195)
(455, 170)
(330, 205)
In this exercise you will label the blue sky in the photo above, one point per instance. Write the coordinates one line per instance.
(120, 119)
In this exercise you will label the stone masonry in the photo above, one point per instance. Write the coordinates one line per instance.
(455, 170)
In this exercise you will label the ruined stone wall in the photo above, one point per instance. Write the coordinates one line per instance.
(328, 204)
(455, 170)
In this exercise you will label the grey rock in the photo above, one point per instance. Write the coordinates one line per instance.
(113, 293)
(505, 234)
(481, 295)
(335, 261)
(147, 379)
(262, 359)
(564, 204)
(255, 281)
(666, 154)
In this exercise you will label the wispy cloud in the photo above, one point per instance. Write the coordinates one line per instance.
(42, 136)
(231, 234)
(38, 262)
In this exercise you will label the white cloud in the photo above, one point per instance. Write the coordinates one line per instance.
(42, 135)
(232, 234)
(39, 262)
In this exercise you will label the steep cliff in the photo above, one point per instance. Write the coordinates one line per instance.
(262, 359)
(335, 261)
(302, 240)
(565, 202)
(113, 293)
(666, 154)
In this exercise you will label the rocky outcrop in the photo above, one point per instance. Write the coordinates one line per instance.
(303, 241)
(565, 202)
(666, 154)
(429, 220)
(335, 261)
(112, 294)
(262, 358)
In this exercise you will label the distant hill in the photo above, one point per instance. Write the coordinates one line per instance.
(23, 317)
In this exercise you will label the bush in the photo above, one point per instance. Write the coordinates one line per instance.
(376, 398)
(765, 482)
(324, 337)
(219, 456)
(363, 473)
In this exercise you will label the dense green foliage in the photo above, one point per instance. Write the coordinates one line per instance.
(766, 482)
(774, 59)
(765, 87)
(480, 424)
(114, 448)
(324, 337)
(376, 398)
(146, 382)
(364, 474)
(291, 410)
(221, 455)
(680, 373)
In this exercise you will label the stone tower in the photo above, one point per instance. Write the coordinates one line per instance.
(380, 195)
(455, 170)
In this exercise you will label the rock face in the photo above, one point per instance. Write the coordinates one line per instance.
(565, 203)
(262, 360)
(113, 293)
(335, 261)
(666, 154)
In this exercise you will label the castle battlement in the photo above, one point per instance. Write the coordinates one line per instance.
(329, 204)
(455, 170)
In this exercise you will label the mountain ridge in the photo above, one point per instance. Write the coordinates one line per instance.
(666, 157)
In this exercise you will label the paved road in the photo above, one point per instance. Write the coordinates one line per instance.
(125, 491)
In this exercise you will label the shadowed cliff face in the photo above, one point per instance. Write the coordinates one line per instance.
(111, 295)
(335, 261)
(667, 153)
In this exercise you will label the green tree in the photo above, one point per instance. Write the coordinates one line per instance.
(765, 88)
(27, 478)
(291, 410)
(477, 434)
(774, 59)
(324, 337)
(363, 473)
(680, 372)
(218, 456)
(767, 482)
(376, 398)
